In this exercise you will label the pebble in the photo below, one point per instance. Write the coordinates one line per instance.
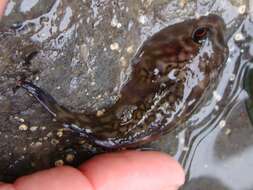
(156, 71)
(182, 3)
(100, 112)
(147, 3)
(228, 132)
(43, 128)
(33, 128)
(242, 9)
(54, 141)
(130, 49)
(123, 62)
(142, 19)
(99, 97)
(49, 134)
(59, 163)
(232, 77)
(197, 15)
(19, 119)
(114, 46)
(185, 148)
(37, 144)
(239, 37)
(59, 133)
(181, 140)
(70, 157)
(222, 123)
(92, 83)
(115, 22)
(216, 96)
(82, 141)
(23, 127)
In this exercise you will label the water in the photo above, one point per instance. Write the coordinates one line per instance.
(85, 51)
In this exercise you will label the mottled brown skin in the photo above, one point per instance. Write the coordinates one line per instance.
(170, 74)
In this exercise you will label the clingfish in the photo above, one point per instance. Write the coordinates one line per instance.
(170, 74)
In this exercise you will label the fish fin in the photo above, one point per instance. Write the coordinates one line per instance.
(44, 98)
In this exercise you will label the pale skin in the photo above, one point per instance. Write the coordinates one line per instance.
(126, 170)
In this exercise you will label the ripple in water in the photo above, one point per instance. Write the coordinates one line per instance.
(196, 151)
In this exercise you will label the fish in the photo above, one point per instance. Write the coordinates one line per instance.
(171, 72)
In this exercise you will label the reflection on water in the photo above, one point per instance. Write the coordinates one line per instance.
(85, 51)
(210, 152)
(226, 153)
(206, 182)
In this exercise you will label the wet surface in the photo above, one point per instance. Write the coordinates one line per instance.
(171, 73)
(81, 55)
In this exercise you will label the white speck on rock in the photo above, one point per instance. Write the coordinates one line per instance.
(217, 96)
(181, 140)
(239, 37)
(182, 3)
(156, 71)
(70, 157)
(228, 132)
(114, 46)
(59, 133)
(242, 9)
(58, 163)
(100, 112)
(171, 74)
(37, 144)
(123, 62)
(43, 128)
(23, 127)
(185, 148)
(115, 22)
(130, 49)
(19, 119)
(84, 51)
(197, 15)
(143, 19)
(222, 123)
(33, 128)
(232, 77)
(74, 83)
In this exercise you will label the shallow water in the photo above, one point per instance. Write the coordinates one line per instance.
(85, 51)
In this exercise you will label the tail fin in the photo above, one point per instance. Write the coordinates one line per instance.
(45, 99)
(100, 131)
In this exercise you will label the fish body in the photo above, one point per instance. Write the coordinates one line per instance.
(170, 74)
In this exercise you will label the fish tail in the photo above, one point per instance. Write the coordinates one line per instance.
(45, 99)
(88, 126)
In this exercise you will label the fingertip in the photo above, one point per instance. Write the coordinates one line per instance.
(5, 186)
(164, 164)
(133, 170)
(2, 6)
(60, 178)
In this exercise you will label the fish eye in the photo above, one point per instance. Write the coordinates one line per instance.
(199, 34)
